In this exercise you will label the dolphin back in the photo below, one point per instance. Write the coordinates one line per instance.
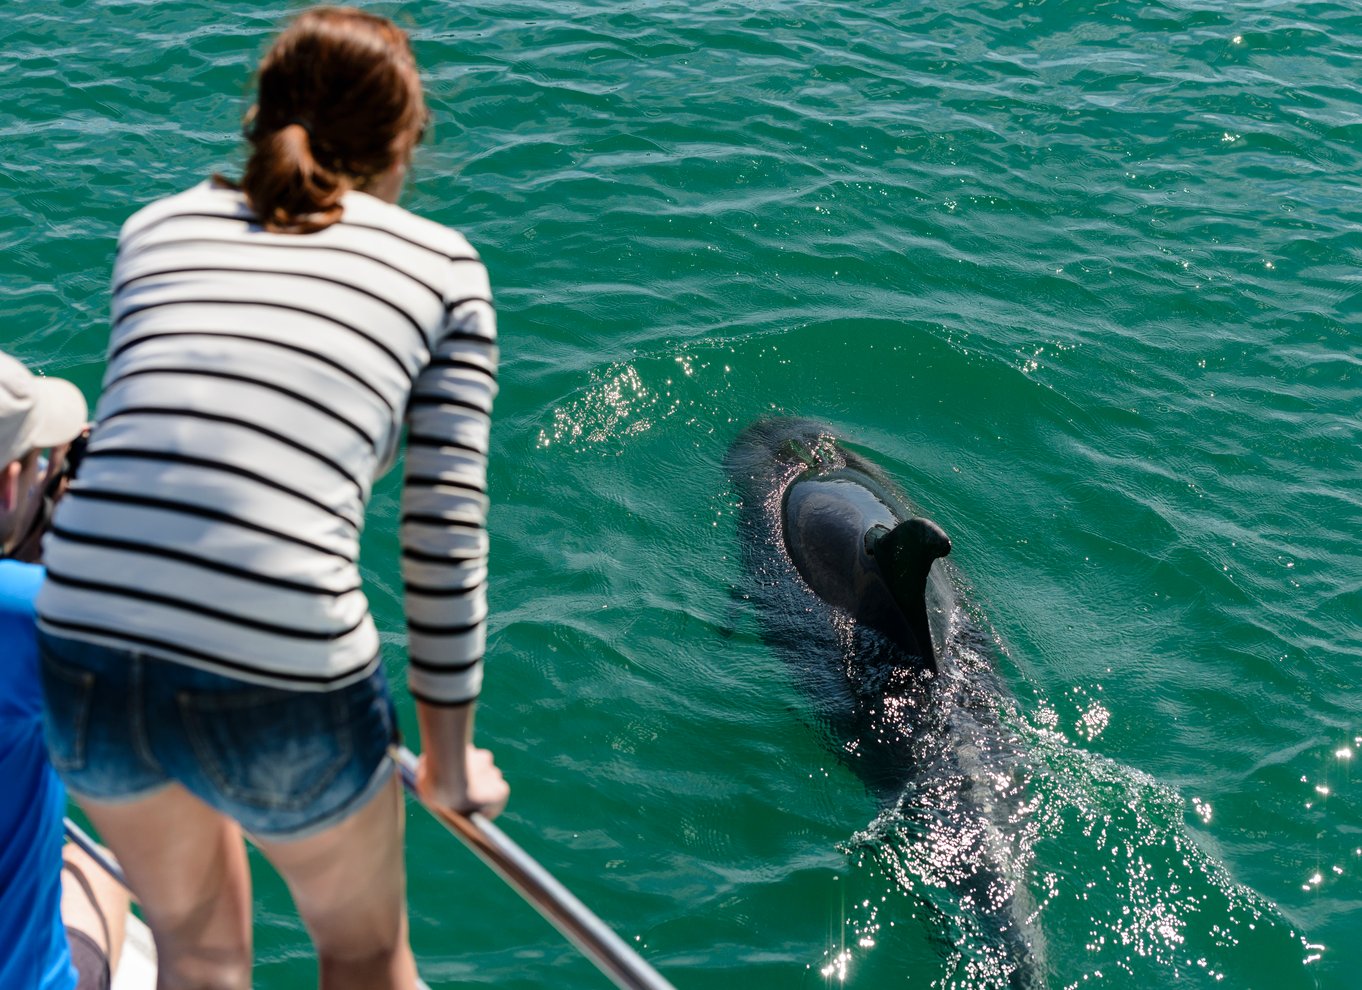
(835, 557)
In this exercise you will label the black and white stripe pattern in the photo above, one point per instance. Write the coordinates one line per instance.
(256, 386)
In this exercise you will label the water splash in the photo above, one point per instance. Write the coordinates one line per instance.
(1119, 882)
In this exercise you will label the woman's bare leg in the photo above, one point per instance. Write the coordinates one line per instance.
(187, 865)
(350, 886)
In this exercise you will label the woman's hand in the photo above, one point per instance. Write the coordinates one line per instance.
(477, 785)
(451, 772)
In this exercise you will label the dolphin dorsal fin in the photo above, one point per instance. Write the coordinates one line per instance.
(905, 555)
(911, 546)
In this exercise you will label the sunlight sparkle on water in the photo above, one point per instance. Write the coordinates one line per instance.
(838, 966)
(1094, 721)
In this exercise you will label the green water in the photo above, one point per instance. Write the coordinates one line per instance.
(1083, 277)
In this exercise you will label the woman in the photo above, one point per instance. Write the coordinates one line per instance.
(209, 663)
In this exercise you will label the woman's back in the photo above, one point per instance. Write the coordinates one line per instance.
(256, 386)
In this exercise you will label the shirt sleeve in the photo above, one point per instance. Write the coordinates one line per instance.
(444, 506)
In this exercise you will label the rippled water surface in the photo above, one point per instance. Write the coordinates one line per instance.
(1083, 278)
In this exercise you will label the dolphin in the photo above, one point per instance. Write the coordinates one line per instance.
(845, 580)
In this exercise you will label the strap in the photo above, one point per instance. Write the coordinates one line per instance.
(81, 879)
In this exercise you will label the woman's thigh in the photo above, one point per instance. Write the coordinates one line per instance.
(187, 865)
(349, 882)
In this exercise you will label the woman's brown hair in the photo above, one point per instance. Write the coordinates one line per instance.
(339, 102)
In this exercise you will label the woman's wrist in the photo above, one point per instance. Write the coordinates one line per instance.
(446, 736)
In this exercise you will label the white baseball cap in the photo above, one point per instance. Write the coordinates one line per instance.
(36, 412)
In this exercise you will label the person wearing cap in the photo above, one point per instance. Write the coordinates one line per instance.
(36, 949)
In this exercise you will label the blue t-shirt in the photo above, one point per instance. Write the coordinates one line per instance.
(33, 947)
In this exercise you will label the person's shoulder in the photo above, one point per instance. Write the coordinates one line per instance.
(19, 584)
(205, 199)
(362, 209)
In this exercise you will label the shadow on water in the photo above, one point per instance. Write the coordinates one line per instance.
(1015, 845)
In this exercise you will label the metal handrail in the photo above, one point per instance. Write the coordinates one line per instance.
(596, 940)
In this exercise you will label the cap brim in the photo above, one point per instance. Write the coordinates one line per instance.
(59, 412)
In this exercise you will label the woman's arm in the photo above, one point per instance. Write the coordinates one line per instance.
(444, 551)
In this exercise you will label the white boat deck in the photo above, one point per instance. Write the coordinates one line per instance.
(137, 967)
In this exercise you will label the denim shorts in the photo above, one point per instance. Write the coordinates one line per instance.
(121, 725)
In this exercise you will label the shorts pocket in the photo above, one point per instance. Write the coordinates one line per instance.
(268, 748)
(67, 693)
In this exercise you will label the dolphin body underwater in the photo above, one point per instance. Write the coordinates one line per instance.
(842, 574)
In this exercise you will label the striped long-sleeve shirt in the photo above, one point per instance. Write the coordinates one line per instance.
(257, 384)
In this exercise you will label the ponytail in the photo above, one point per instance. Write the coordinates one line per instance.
(290, 191)
(339, 103)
